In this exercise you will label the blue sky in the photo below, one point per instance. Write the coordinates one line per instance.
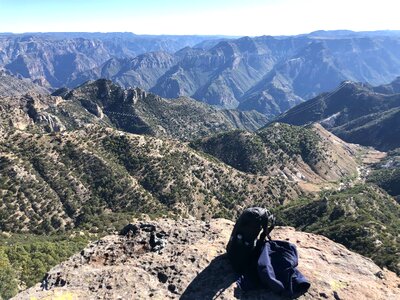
(229, 17)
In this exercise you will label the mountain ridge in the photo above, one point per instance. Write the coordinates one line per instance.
(136, 111)
(306, 155)
(356, 112)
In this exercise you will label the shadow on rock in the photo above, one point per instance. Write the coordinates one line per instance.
(217, 277)
(212, 281)
(261, 294)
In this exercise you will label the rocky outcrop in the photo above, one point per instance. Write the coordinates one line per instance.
(137, 111)
(92, 107)
(13, 86)
(51, 123)
(185, 259)
(36, 112)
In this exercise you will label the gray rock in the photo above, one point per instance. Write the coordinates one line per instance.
(125, 267)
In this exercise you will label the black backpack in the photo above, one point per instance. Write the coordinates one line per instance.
(242, 243)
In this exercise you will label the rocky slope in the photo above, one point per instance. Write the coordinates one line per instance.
(355, 112)
(386, 174)
(310, 156)
(12, 86)
(83, 177)
(44, 113)
(29, 107)
(391, 88)
(136, 111)
(363, 218)
(89, 176)
(186, 261)
(380, 130)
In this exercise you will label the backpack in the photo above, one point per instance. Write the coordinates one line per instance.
(276, 270)
(242, 243)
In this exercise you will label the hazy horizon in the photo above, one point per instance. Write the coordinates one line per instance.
(205, 35)
(207, 17)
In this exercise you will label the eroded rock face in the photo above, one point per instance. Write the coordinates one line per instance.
(22, 112)
(137, 111)
(185, 259)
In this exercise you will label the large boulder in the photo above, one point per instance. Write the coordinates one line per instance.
(167, 259)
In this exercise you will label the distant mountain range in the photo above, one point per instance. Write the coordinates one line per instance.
(356, 112)
(57, 59)
(268, 74)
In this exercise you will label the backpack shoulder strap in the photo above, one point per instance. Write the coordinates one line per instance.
(268, 226)
(271, 222)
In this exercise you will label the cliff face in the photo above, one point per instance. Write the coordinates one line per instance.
(185, 259)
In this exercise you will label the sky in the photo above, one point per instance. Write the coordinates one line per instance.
(205, 17)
